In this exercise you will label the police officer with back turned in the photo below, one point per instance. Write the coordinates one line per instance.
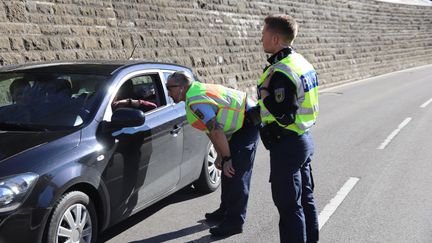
(288, 98)
(226, 116)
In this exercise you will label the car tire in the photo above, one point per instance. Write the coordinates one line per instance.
(63, 222)
(210, 177)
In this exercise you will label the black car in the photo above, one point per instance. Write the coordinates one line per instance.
(84, 145)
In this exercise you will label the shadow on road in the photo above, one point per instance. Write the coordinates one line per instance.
(178, 234)
(202, 225)
(185, 194)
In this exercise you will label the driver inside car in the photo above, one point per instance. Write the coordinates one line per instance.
(125, 99)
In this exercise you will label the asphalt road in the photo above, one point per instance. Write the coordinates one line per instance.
(372, 171)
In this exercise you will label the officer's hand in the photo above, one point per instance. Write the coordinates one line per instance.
(228, 169)
(218, 163)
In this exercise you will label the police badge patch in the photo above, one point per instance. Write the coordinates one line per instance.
(199, 114)
(279, 95)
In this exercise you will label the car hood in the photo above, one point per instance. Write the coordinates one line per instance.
(13, 143)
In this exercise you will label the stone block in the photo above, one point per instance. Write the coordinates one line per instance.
(38, 43)
(32, 56)
(78, 30)
(66, 55)
(11, 58)
(116, 43)
(48, 56)
(4, 43)
(2, 13)
(16, 43)
(54, 30)
(127, 42)
(104, 43)
(16, 11)
(44, 8)
(90, 43)
(71, 43)
(55, 43)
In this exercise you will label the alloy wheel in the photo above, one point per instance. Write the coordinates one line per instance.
(214, 173)
(75, 225)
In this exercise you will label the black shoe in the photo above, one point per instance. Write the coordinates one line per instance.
(217, 215)
(225, 229)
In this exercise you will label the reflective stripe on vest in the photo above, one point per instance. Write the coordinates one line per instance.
(230, 105)
(304, 77)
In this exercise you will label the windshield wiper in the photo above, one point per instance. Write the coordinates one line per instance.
(8, 126)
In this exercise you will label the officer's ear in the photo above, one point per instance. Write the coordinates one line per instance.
(275, 38)
(281, 40)
(180, 95)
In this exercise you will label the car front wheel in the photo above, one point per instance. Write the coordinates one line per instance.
(73, 220)
(210, 177)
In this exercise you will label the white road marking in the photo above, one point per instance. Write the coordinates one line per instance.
(394, 133)
(426, 103)
(331, 207)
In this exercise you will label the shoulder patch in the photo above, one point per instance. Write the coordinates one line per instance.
(279, 95)
(199, 114)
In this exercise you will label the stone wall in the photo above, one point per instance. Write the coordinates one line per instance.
(220, 39)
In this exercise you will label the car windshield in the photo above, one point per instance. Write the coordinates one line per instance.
(47, 102)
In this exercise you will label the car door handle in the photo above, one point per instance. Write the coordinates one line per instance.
(176, 130)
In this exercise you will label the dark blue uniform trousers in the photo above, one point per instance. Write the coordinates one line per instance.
(235, 190)
(292, 188)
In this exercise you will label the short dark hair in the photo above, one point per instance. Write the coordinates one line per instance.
(282, 24)
(181, 78)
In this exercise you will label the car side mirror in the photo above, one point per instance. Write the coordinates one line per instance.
(127, 117)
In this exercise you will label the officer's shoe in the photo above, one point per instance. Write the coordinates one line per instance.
(225, 229)
(217, 215)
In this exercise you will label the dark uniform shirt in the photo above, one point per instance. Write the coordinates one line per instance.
(282, 100)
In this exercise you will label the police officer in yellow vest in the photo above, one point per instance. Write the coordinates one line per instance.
(288, 98)
(224, 114)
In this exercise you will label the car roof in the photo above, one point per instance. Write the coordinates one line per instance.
(100, 67)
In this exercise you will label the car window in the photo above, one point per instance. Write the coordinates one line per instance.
(146, 92)
(48, 101)
(166, 75)
(148, 87)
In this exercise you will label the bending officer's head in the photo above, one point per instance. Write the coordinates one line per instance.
(178, 84)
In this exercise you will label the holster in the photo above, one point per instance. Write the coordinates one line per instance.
(253, 115)
(272, 134)
(267, 137)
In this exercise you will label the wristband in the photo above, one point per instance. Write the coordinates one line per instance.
(225, 159)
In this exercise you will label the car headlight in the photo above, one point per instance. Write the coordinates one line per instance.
(13, 190)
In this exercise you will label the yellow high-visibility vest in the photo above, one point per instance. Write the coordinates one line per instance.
(230, 105)
(305, 79)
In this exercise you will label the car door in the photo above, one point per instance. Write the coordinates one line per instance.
(194, 143)
(146, 163)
